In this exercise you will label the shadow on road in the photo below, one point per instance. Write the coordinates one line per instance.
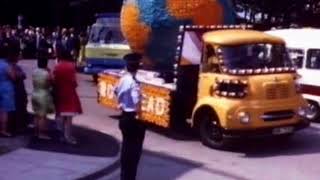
(90, 143)
(185, 134)
(176, 168)
(180, 135)
(303, 142)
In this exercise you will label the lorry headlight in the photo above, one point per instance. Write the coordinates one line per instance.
(302, 111)
(243, 117)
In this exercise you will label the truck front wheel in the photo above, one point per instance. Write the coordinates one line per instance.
(314, 111)
(211, 133)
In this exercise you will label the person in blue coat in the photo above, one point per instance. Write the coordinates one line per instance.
(19, 118)
(7, 97)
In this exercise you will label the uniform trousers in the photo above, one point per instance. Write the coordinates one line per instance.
(133, 133)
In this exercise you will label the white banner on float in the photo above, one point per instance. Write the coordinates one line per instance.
(192, 48)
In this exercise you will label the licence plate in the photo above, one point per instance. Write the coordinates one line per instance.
(283, 130)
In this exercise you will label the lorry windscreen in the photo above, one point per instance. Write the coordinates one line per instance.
(255, 56)
(106, 35)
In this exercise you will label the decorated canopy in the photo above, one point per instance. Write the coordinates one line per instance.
(151, 26)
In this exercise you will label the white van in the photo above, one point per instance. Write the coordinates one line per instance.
(304, 48)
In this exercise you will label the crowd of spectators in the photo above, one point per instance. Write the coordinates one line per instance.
(38, 42)
(53, 91)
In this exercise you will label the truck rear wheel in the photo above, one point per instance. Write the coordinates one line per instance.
(211, 133)
(314, 111)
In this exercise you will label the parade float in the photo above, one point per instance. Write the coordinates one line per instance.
(202, 71)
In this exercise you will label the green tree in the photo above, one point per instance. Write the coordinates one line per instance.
(280, 12)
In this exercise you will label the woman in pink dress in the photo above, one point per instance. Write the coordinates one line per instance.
(66, 98)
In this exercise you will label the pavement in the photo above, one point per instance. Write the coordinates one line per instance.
(32, 164)
(25, 157)
(95, 157)
(30, 158)
(157, 166)
(166, 155)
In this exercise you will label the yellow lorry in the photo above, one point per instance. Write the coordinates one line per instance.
(229, 81)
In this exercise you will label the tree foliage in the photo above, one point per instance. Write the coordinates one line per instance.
(279, 12)
(55, 12)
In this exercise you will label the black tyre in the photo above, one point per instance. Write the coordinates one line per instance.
(284, 138)
(314, 111)
(210, 131)
(95, 78)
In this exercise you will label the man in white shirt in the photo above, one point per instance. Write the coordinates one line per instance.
(133, 131)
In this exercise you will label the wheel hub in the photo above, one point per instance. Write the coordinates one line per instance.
(214, 131)
(312, 112)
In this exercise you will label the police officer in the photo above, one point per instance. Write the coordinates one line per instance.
(133, 131)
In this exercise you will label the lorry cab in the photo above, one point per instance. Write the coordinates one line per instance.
(106, 45)
(304, 49)
(247, 85)
(229, 82)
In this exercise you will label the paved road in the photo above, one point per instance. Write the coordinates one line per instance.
(173, 157)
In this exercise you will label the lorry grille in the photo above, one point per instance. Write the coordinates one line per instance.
(277, 91)
(278, 115)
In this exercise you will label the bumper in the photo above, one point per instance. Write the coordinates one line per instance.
(93, 70)
(264, 114)
(97, 65)
(265, 131)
